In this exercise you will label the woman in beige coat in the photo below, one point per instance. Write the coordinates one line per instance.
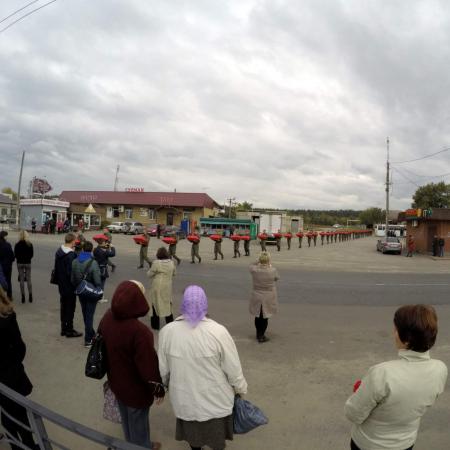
(264, 299)
(161, 274)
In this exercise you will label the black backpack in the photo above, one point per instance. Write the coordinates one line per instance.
(96, 363)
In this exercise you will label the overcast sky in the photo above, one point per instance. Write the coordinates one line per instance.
(281, 103)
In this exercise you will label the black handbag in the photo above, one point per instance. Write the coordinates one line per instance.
(53, 277)
(96, 363)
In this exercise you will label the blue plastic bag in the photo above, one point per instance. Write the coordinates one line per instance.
(246, 416)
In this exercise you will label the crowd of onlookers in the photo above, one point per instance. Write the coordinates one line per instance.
(197, 361)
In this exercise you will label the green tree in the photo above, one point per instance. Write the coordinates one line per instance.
(8, 190)
(432, 195)
(244, 206)
(371, 216)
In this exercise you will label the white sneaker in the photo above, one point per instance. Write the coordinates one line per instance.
(103, 300)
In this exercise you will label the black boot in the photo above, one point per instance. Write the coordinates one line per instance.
(30, 298)
(23, 298)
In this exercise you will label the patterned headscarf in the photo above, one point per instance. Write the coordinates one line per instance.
(194, 305)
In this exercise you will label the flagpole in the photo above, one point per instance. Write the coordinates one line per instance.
(18, 193)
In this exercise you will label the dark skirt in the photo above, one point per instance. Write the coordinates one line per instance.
(212, 433)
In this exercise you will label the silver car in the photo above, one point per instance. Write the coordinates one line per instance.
(389, 245)
(116, 227)
(133, 228)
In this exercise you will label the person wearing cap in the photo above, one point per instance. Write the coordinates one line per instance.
(6, 260)
(388, 403)
(199, 363)
(247, 243)
(195, 248)
(173, 250)
(108, 235)
(264, 298)
(236, 247)
(218, 248)
(133, 373)
(102, 253)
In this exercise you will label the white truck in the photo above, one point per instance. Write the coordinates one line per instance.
(271, 222)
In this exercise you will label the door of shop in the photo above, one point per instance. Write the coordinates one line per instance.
(169, 218)
(432, 232)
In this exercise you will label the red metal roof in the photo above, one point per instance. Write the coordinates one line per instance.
(180, 199)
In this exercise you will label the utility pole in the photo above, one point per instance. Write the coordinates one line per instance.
(116, 181)
(18, 192)
(387, 189)
(231, 200)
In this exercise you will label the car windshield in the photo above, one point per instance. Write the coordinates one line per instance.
(392, 239)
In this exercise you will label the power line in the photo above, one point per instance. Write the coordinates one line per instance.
(423, 157)
(26, 15)
(18, 10)
(427, 176)
(406, 178)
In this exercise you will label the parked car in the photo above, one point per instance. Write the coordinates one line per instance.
(116, 227)
(389, 245)
(133, 228)
(172, 230)
(152, 230)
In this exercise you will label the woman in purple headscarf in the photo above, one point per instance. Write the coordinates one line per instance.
(199, 362)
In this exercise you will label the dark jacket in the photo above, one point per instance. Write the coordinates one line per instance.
(79, 266)
(101, 255)
(63, 271)
(3, 281)
(12, 353)
(132, 359)
(23, 252)
(6, 256)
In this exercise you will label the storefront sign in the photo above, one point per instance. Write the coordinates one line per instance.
(44, 202)
(418, 213)
(132, 189)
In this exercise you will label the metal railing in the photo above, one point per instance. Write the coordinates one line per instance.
(36, 427)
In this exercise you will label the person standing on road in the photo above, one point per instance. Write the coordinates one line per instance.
(161, 275)
(195, 248)
(102, 253)
(247, 243)
(441, 244)
(33, 225)
(86, 267)
(288, 239)
(23, 251)
(262, 240)
(132, 369)
(63, 270)
(6, 260)
(434, 246)
(143, 251)
(13, 375)
(173, 250)
(264, 298)
(278, 240)
(411, 245)
(199, 363)
(218, 248)
(158, 231)
(300, 239)
(387, 405)
(236, 243)
(108, 235)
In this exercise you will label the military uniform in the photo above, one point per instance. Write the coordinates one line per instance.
(288, 240)
(218, 248)
(247, 247)
(236, 249)
(195, 250)
(173, 252)
(278, 242)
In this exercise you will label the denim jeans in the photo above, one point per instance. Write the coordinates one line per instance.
(135, 424)
(88, 311)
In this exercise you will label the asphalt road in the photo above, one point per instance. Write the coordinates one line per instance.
(335, 321)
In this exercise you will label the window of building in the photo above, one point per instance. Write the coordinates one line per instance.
(128, 213)
(151, 214)
(95, 220)
(116, 211)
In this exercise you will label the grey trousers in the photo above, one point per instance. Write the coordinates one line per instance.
(135, 424)
(25, 275)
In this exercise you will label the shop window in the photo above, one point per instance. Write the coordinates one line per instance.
(151, 214)
(116, 211)
(95, 220)
(128, 213)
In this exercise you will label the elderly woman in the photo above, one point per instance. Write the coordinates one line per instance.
(199, 362)
(161, 274)
(393, 396)
(133, 372)
(264, 299)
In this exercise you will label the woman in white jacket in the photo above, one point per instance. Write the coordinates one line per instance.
(199, 362)
(387, 406)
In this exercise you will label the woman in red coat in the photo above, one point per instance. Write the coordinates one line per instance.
(133, 372)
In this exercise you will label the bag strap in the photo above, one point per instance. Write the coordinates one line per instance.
(86, 269)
